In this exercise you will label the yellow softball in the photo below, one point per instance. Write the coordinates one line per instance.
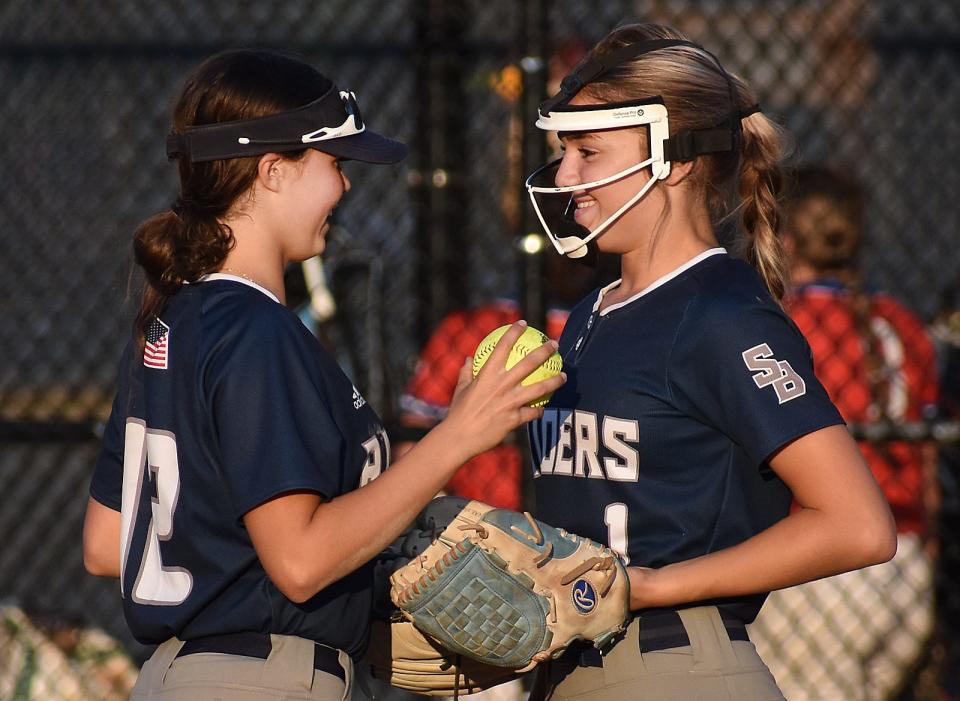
(529, 341)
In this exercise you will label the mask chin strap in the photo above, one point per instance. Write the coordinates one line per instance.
(582, 249)
(576, 246)
(569, 233)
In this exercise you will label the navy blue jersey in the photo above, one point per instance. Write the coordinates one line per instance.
(231, 403)
(675, 399)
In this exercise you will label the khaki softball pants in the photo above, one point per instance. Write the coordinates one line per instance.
(287, 674)
(710, 668)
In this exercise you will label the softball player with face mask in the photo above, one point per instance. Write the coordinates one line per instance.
(239, 494)
(692, 412)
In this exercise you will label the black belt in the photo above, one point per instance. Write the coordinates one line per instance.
(662, 630)
(325, 659)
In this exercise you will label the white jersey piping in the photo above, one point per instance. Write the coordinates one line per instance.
(656, 283)
(236, 278)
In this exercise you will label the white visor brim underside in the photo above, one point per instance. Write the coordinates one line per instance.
(588, 118)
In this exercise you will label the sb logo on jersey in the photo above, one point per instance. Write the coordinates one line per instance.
(770, 371)
(584, 596)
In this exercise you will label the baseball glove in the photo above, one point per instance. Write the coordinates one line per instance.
(507, 590)
(410, 544)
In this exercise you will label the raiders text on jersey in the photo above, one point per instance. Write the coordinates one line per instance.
(584, 444)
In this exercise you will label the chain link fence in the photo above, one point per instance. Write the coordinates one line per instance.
(425, 257)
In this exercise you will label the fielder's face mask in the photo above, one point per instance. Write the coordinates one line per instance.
(556, 114)
(331, 123)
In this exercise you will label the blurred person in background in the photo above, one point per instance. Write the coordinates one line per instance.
(858, 635)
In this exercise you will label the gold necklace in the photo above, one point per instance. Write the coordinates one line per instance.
(239, 274)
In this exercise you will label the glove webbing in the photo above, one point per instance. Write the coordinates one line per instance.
(594, 563)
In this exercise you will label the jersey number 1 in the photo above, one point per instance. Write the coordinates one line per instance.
(615, 517)
(154, 451)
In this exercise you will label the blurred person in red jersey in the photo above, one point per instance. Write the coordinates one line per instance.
(858, 635)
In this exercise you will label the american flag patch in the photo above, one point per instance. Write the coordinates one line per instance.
(157, 345)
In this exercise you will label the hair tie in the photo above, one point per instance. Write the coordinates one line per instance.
(753, 109)
(177, 208)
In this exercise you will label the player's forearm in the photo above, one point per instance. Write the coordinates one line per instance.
(806, 545)
(348, 531)
(321, 542)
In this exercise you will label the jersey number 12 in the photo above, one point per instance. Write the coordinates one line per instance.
(151, 454)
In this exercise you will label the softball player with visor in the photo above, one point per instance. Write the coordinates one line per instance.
(241, 489)
(691, 412)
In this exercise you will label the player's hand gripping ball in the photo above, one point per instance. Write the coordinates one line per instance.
(529, 341)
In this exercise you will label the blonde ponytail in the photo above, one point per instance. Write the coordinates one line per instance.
(759, 186)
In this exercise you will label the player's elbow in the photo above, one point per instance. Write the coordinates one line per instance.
(885, 544)
(877, 538)
(297, 580)
(96, 568)
(100, 563)
(296, 594)
(293, 586)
